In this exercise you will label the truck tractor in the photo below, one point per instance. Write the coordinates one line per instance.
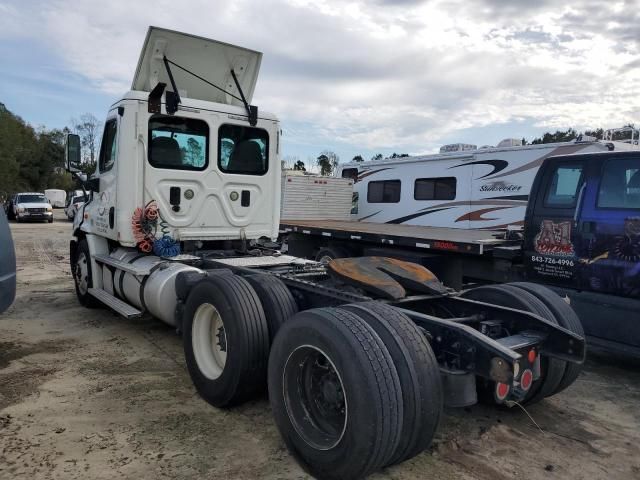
(359, 355)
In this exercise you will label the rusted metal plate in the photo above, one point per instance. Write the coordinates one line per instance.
(385, 277)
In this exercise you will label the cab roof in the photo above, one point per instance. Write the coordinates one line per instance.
(210, 59)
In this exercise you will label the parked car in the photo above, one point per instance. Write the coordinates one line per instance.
(8, 207)
(7, 265)
(32, 206)
(73, 205)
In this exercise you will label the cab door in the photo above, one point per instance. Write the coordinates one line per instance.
(102, 207)
(551, 239)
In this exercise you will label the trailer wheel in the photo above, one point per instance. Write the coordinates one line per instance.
(225, 340)
(418, 372)
(326, 254)
(82, 275)
(335, 394)
(551, 369)
(277, 301)
(565, 316)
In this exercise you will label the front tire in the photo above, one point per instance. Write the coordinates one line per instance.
(82, 275)
(225, 340)
(335, 394)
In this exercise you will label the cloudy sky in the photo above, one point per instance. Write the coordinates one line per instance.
(355, 77)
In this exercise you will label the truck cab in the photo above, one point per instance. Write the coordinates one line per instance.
(582, 236)
(182, 139)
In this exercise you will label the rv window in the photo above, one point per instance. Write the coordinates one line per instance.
(385, 191)
(351, 173)
(564, 187)
(178, 143)
(243, 150)
(443, 188)
(108, 146)
(620, 184)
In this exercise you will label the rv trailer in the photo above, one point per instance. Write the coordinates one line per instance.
(460, 187)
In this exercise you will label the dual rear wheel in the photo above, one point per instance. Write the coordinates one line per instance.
(352, 388)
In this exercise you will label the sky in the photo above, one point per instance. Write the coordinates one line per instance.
(353, 77)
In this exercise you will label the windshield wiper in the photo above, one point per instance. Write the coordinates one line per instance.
(252, 110)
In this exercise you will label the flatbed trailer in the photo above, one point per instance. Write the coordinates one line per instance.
(455, 255)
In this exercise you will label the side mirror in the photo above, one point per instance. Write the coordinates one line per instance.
(72, 153)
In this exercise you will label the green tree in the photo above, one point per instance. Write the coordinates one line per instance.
(299, 165)
(358, 158)
(377, 156)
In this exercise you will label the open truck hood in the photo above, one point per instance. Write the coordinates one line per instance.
(209, 59)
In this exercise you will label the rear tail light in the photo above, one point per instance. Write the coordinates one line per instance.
(526, 380)
(531, 356)
(502, 391)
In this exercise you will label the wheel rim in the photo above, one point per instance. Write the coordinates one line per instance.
(314, 397)
(82, 273)
(325, 259)
(209, 341)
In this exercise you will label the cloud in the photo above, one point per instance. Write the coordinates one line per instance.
(377, 74)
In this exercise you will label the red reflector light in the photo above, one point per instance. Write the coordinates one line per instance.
(532, 356)
(526, 379)
(502, 390)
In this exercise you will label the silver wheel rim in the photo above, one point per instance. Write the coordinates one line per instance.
(209, 341)
(82, 273)
(325, 259)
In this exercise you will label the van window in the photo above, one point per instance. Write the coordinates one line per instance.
(178, 143)
(564, 187)
(384, 191)
(620, 184)
(108, 146)
(243, 150)
(443, 188)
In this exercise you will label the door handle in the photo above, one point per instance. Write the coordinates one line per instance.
(174, 198)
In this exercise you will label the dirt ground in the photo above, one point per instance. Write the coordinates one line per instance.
(87, 394)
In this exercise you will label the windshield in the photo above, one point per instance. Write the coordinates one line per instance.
(32, 199)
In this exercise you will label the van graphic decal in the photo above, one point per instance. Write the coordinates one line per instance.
(554, 238)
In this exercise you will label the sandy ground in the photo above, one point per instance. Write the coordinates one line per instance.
(87, 394)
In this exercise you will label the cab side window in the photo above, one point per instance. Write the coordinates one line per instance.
(620, 184)
(108, 146)
(565, 186)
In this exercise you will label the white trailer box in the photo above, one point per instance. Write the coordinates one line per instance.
(313, 197)
(57, 198)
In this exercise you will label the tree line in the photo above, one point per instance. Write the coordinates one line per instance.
(32, 159)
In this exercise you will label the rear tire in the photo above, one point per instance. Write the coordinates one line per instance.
(335, 394)
(565, 316)
(225, 340)
(82, 275)
(277, 301)
(551, 369)
(418, 372)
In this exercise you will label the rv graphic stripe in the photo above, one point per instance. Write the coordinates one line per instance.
(498, 166)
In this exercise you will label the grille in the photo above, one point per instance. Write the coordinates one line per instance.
(36, 210)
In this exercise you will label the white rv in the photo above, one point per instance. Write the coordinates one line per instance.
(461, 187)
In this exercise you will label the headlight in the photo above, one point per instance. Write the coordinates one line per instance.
(20, 209)
(49, 208)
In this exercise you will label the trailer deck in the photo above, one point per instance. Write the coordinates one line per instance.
(473, 242)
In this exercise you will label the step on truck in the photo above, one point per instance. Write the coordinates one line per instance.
(581, 238)
(360, 355)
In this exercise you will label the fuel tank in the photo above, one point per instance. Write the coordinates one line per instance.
(155, 292)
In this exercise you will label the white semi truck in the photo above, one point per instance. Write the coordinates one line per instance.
(359, 355)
